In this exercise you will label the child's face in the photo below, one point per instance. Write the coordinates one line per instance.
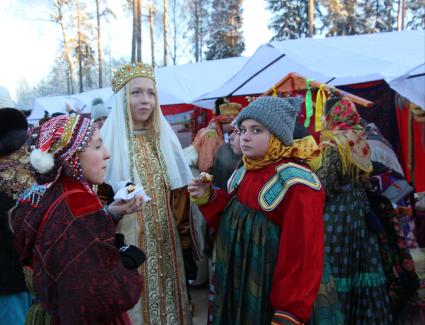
(255, 139)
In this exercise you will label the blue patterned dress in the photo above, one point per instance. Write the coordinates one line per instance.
(352, 248)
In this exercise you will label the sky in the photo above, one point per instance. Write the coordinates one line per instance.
(29, 45)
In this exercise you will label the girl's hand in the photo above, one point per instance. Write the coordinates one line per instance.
(198, 189)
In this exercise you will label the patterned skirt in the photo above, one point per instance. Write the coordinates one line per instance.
(326, 309)
(355, 260)
(246, 250)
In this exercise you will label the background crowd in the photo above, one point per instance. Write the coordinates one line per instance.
(298, 227)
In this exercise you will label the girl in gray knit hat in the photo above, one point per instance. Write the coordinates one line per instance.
(269, 246)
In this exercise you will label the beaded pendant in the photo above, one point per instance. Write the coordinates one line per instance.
(33, 195)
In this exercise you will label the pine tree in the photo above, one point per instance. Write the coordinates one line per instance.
(376, 16)
(349, 17)
(341, 18)
(416, 13)
(198, 24)
(290, 19)
(225, 36)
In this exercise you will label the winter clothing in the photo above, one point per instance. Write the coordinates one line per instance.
(98, 110)
(276, 114)
(14, 177)
(13, 130)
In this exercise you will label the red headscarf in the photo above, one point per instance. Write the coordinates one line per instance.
(343, 130)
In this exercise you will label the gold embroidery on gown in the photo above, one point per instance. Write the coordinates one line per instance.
(164, 296)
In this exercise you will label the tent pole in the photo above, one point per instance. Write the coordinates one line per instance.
(411, 147)
(255, 74)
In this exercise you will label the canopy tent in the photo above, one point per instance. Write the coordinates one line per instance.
(294, 84)
(54, 104)
(80, 103)
(411, 85)
(176, 85)
(87, 97)
(295, 81)
(189, 81)
(335, 61)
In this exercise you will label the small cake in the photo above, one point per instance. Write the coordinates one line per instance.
(205, 177)
(131, 188)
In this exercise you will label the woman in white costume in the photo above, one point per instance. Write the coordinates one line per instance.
(145, 151)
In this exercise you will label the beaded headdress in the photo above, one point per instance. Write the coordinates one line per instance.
(60, 137)
(130, 71)
(230, 108)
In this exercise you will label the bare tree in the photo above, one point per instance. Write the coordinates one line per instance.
(151, 32)
(174, 55)
(102, 11)
(401, 14)
(136, 44)
(198, 25)
(80, 58)
(139, 31)
(165, 32)
(57, 17)
(83, 45)
(311, 18)
(99, 47)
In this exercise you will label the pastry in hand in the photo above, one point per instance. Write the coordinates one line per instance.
(130, 188)
(205, 177)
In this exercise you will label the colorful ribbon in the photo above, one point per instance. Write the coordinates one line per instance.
(308, 104)
(320, 103)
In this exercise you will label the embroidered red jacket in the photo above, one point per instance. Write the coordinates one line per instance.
(78, 274)
(300, 261)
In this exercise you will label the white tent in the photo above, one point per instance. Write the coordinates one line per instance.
(335, 60)
(58, 104)
(54, 104)
(87, 97)
(181, 84)
(412, 85)
(176, 85)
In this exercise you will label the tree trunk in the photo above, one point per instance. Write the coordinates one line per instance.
(70, 70)
(70, 82)
(389, 8)
(134, 34)
(139, 32)
(165, 32)
(151, 29)
(201, 32)
(174, 32)
(401, 12)
(197, 30)
(311, 18)
(99, 47)
(80, 59)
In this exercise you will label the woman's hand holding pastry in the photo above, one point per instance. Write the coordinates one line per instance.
(123, 207)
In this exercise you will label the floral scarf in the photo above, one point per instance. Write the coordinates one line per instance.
(15, 175)
(343, 131)
(302, 149)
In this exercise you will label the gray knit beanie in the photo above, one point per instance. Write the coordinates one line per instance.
(98, 110)
(277, 114)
